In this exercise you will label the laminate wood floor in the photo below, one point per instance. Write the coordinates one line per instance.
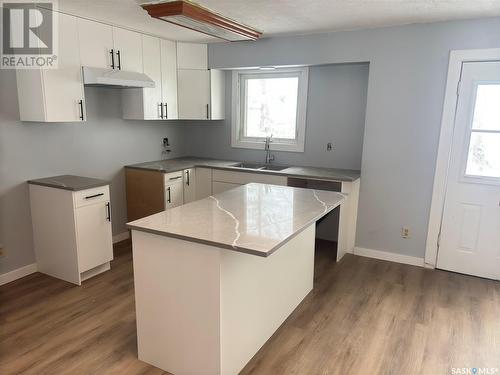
(364, 316)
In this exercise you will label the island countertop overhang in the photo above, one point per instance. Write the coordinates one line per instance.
(255, 218)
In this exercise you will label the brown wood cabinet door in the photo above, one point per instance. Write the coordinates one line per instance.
(145, 193)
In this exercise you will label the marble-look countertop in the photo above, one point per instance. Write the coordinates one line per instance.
(254, 218)
(177, 164)
(69, 182)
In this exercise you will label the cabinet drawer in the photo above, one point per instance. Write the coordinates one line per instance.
(91, 196)
(173, 177)
(242, 178)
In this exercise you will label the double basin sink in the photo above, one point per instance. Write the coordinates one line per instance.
(260, 167)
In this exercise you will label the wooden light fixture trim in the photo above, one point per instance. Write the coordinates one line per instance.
(169, 10)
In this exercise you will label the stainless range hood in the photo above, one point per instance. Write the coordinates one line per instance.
(115, 78)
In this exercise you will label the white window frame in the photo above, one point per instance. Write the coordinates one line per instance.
(296, 145)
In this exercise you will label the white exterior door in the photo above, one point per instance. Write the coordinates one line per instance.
(470, 229)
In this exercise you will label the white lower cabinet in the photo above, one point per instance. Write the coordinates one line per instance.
(203, 182)
(242, 178)
(174, 190)
(72, 231)
(93, 235)
(220, 187)
(223, 180)
(189, 185)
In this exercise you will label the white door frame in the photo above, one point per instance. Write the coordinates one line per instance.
(457, 57)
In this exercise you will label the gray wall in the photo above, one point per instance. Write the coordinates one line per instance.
(408, 67)
(406, 84)
(335, 113)
(100, 148)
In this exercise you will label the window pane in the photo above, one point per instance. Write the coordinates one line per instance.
(271, 107)
(487, 110)
(484, 155)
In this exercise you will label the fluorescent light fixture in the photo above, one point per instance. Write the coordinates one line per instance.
(195, 17)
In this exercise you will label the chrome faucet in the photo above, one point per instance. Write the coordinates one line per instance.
(269, 157)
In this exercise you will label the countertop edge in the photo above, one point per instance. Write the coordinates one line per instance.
(248, 170)
(68, 188)
(245, 250)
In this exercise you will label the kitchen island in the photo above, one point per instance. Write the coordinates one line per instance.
(215, 278)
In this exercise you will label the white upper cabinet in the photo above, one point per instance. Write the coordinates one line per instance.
(105, 46)
(146, 103)
(152, 67)
(160, 102)
(194, 94)
(128, 50)
(184, 87)
(55, 95)
(96, 44)
(217, 94)
(201, 92)
(169, 79)
(192, 56)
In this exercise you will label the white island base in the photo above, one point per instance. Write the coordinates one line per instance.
(206, 310)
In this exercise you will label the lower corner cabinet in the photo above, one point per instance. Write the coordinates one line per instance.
(72, 231)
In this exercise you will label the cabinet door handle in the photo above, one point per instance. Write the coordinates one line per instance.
(207, 112)
(112, 52)
(169, 200)
(187, 177)
(94, 196)
(174, 178)
(118, 54)
(108, 211)
(80, 103)
(166, 111)
(161, 110)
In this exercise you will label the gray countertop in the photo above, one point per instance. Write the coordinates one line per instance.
(69, 182)
(177, 164)
(253, 218)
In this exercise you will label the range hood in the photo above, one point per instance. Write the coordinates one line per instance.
(115, 78)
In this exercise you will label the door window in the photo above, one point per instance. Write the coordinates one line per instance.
(483, 158)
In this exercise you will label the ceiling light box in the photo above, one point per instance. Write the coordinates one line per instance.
(198, 18)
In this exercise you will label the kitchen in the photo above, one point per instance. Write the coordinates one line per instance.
(374, 100)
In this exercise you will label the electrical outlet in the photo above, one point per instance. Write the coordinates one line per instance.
(405, 232)
(329, 146)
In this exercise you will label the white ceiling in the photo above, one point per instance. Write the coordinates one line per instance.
(286, 17)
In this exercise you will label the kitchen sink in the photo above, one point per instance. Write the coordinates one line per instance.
(260, 167)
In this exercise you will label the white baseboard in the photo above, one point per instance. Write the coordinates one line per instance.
(121, 237)
(391, 257)
(17, 273)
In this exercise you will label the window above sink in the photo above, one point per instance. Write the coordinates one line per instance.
(269, 102)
